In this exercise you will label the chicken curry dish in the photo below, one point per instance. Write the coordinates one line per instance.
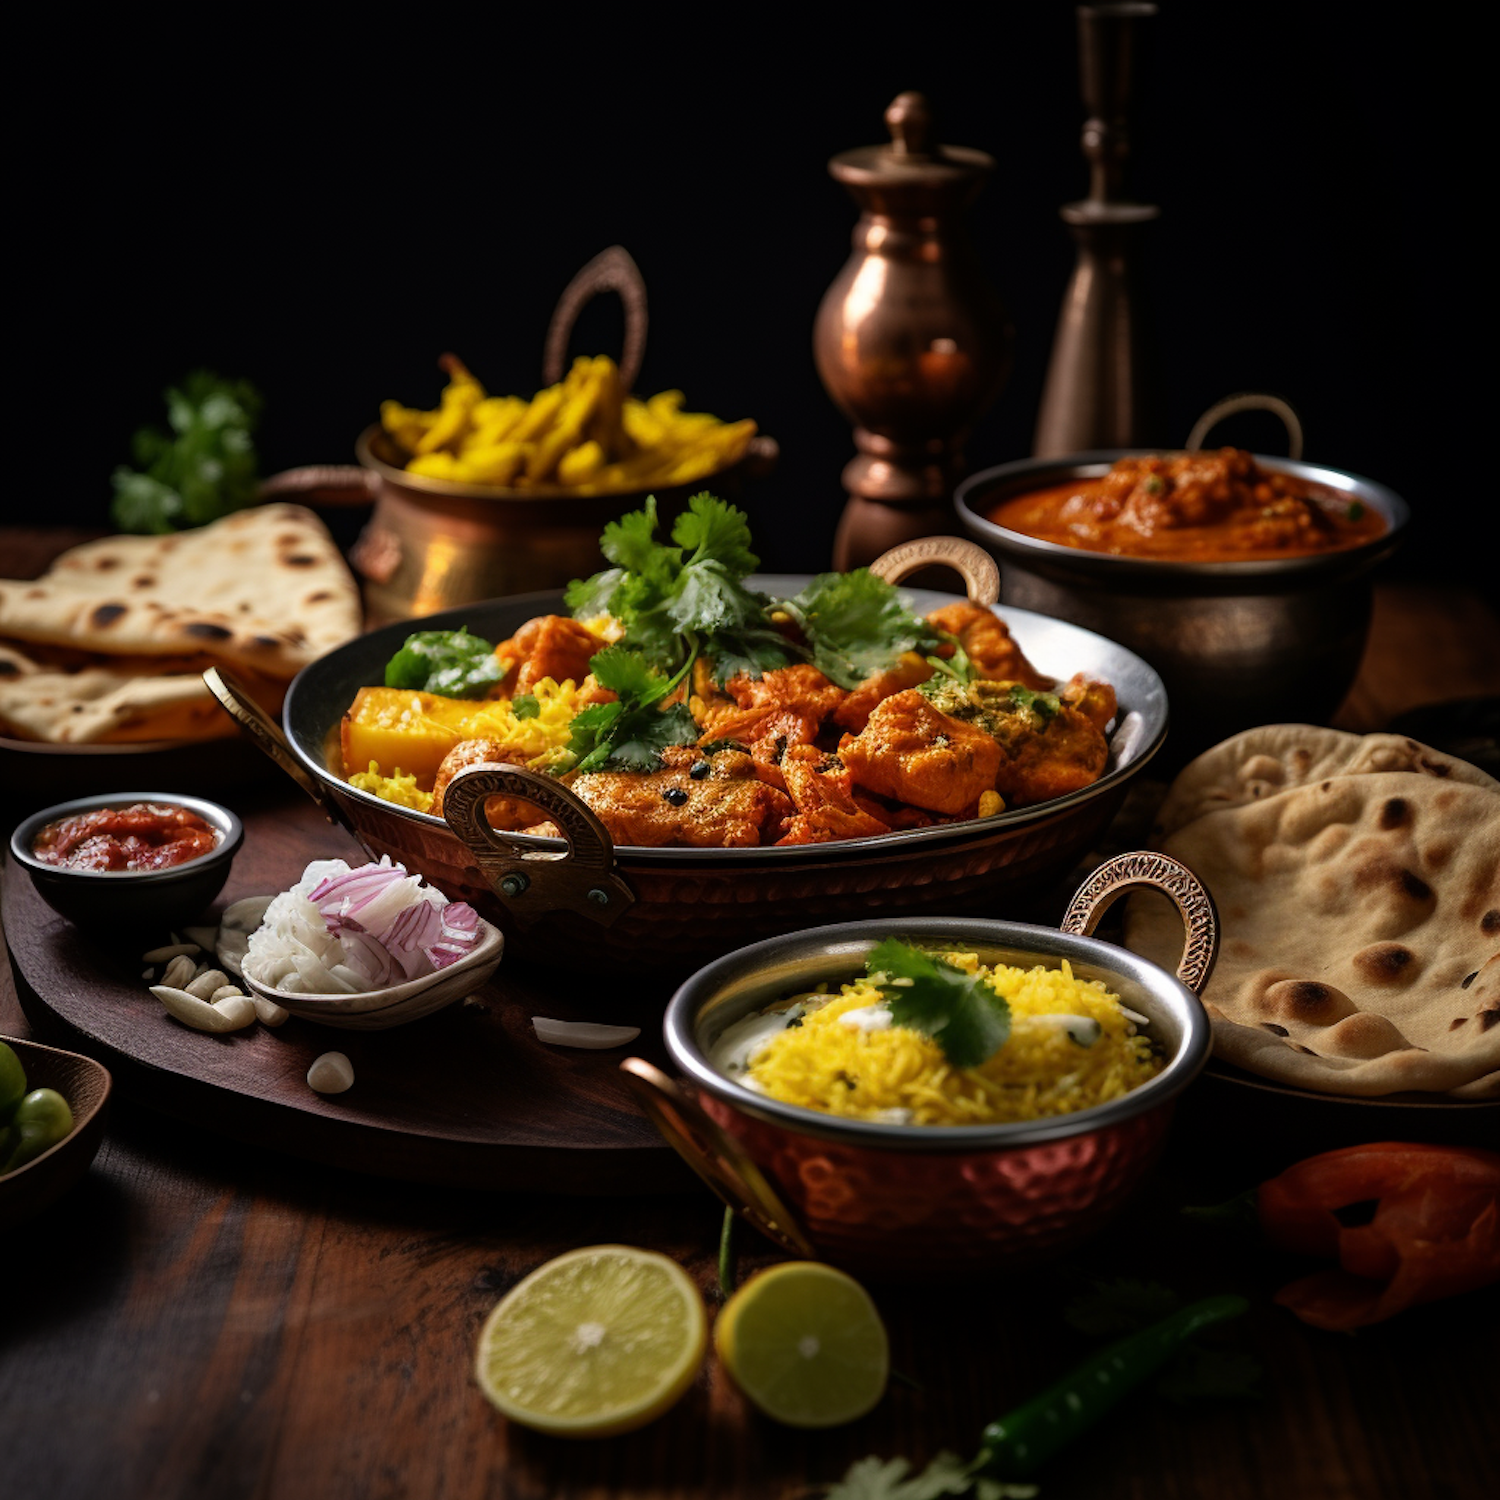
(688, 710)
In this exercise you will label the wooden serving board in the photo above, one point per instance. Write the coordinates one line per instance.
(467, 1098)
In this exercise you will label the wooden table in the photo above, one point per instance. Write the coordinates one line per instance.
(206, 1319)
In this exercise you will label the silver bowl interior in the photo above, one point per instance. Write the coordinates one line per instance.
(320, 694)
(724, 992)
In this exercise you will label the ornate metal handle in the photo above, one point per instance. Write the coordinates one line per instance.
(714, 1155)
(1249, 401)
(1156, 872)
(611, 270)
(254, 721)
(323, 484)
(531, 882)
(973, 564)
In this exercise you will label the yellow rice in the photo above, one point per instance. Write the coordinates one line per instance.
(1039, 1071)
(534, 742)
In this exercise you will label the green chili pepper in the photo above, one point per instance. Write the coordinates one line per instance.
(41, 1120)
(1020, 1443)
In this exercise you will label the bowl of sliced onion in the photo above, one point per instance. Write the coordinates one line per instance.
(368, 948)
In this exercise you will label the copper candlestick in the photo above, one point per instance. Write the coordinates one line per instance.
(1098, 391)
(910, 340)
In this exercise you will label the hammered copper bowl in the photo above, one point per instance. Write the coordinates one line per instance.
(1237, 643)
(586, 904)
(905, 1201)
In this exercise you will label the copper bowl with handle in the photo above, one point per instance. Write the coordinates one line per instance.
(901, 1202)
(432, 543)
(583, 902)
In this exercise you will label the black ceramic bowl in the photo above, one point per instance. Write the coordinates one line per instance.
(148, 899)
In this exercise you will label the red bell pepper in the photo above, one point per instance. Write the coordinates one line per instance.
(1435, 1230)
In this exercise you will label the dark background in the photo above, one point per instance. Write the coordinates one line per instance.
(327, 215)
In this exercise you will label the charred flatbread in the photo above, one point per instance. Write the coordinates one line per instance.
(1361, 927)
(264, 589)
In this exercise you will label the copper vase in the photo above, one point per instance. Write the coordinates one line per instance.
(910, 340)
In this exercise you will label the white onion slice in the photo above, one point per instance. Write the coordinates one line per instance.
(589, 1034)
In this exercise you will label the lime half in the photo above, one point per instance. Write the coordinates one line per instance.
(805, 1344)
(599, 1341)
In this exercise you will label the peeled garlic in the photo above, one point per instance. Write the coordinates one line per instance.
(239, 1009)
(270, 1013)
(172, 950)
(204, 984)
(331, 1073)
(199, 1014)
(179, 972)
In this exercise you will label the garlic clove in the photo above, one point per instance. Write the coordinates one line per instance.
(331, 1073)
(270, 1013)
(589, 1034)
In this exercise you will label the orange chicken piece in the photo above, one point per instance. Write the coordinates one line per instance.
(912, 752)
(854, 712)
(548, 646)
(822, 788)
(987, 640)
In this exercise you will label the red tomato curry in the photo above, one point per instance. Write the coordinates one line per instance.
(1192, 507)
(144, 836)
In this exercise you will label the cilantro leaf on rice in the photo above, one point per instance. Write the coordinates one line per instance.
(959, 1011)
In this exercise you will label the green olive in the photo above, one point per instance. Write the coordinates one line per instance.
(41, 1120)
(12, 1082)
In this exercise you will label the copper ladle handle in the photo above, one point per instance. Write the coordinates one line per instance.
(237, 701)
(1155, 872)
(714, 1155)
(611, 270)
(531, 882)
(973, 564)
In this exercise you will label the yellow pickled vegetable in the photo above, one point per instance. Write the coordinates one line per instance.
(585, 434)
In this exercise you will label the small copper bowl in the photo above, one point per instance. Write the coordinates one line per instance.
(900, 1201)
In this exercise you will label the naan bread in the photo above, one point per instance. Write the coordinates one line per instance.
(263, 589)
(109, 646)
(1277, 757)
(1361, 922)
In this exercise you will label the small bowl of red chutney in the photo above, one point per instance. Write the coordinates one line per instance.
(150, 859)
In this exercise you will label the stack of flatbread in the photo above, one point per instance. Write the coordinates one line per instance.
(1358, 886)
(108, 647)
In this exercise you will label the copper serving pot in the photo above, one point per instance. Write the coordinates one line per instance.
(584, 903)
(1237, 643)
(905, 1201)
(434, 543)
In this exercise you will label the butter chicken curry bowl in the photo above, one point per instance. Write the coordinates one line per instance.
(605, 815)
(1243, 579)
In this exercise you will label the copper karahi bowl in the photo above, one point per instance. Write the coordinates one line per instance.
(903, 1201)
(585, 903)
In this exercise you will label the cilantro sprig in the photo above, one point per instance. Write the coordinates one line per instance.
(968, 1019)
(631, 732)
(206, 468)
(452, 663)
(684, 599)
(856, 625)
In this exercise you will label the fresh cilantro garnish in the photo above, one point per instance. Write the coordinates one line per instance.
(631, 732)
(204, 470)
(1111, 1308)
(1045, 706)
(452, 663)
(685, 599)
(856, 625)
(959, 1011)
(887, 1479)
(525, 706)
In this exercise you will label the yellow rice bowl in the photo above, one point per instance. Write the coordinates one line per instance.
(900, 1076)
